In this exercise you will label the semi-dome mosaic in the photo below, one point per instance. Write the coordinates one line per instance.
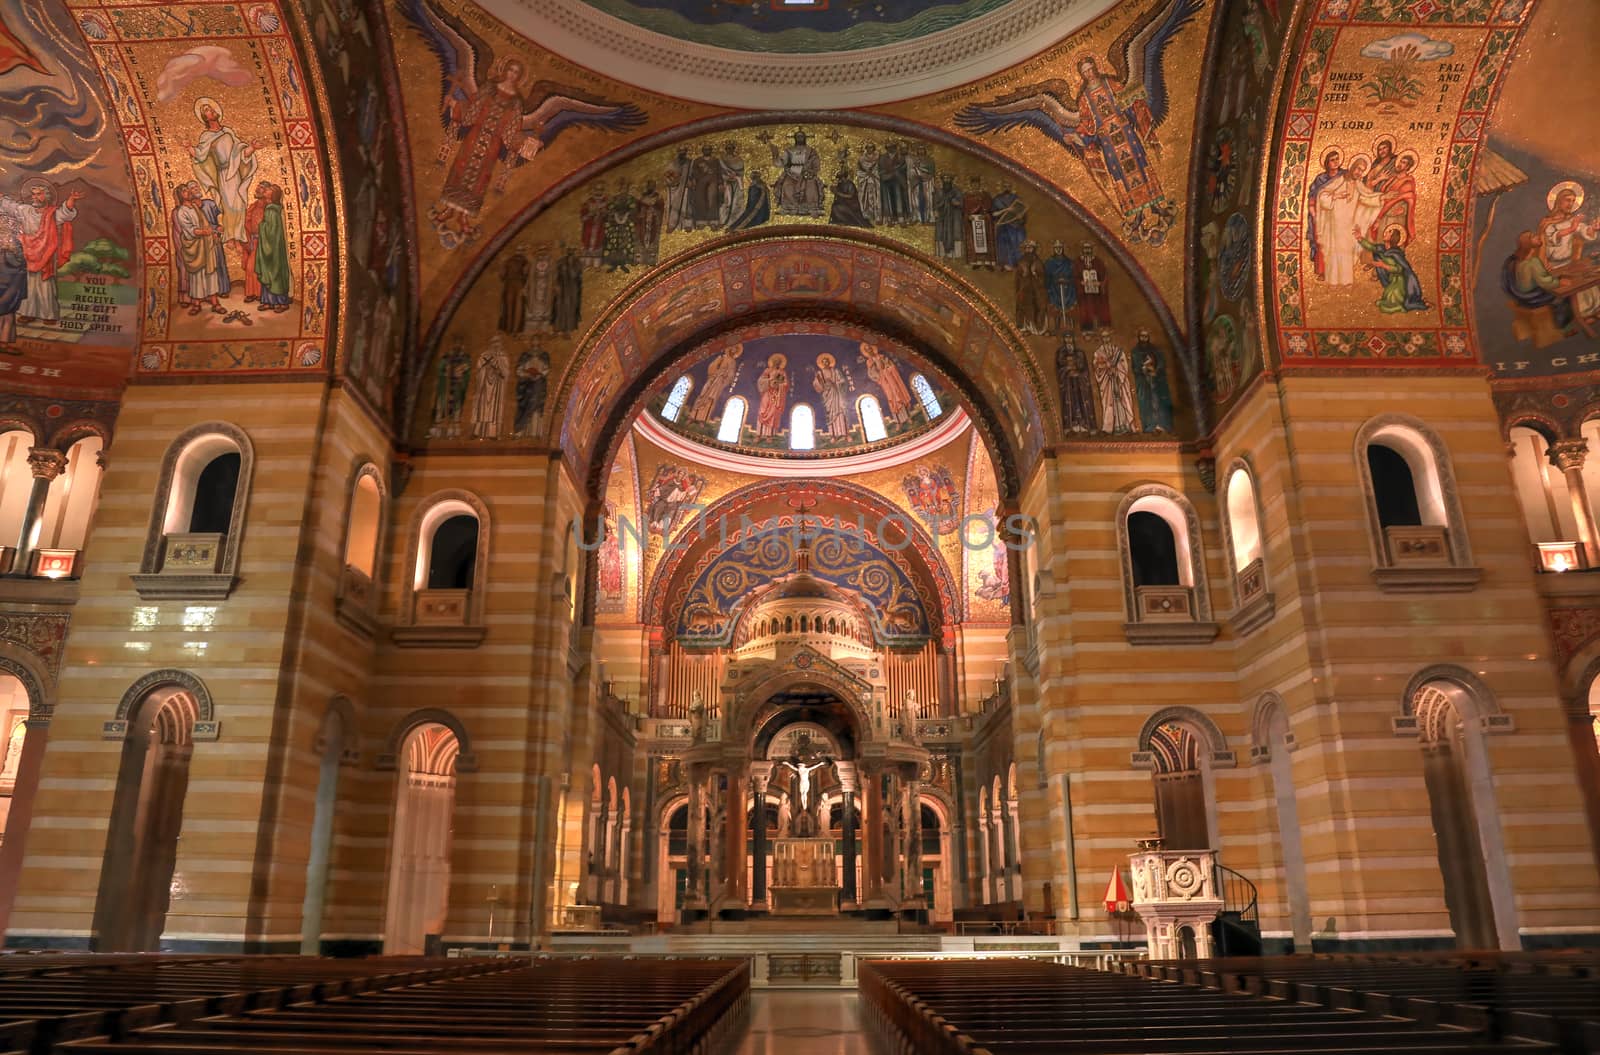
(801, 395)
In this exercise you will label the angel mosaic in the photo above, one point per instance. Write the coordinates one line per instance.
(495, 125)
(932, 492)
(1109, 121)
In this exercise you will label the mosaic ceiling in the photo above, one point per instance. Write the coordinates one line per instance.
(796, 25)
(510, 232)
(800, 395)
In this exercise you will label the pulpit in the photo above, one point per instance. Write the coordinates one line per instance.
(805, 878)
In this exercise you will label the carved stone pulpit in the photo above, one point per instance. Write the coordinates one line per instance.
(1175, 893)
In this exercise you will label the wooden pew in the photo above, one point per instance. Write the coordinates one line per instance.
(49, 1004)
(1026, 1007)
(1547, 996)
(606, 1007)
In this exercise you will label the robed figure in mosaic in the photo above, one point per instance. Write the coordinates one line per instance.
(495, 125)
(1109, 120)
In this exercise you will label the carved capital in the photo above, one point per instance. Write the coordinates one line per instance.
(1568, 455)
(47, 463)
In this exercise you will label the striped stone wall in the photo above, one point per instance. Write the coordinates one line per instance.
(238, 647)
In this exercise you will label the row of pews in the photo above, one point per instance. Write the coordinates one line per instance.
(291, 1005)
(1034, 1007)
(1548, 996)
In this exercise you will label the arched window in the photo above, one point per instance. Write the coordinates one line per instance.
(1244, 530)
(924, 392)
(1393, 487)
(802, 428)
(1241, 528)
(449, 551)
(1541, 488)
(199, 515)
(732, 420)
(1419, 537)
(16, 483)
(452, 554)
(361, 536)
(214, 491)
(871, 419)
(1153, 550)
(69, 509)
(677, 397)
(1163, 569)
(356, 600)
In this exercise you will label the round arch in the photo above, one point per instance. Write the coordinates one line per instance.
(77, 429)
(753, 705)
(206, 726)
(466, 761)
(340, 710)
(653, 599)
(1268, 708)
(947, 325)
(1537, 421)
(979, 151)
(1481, 698)
(1196, 720)
(41, 705)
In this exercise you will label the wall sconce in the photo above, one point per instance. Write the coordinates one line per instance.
(54, 563)
(1560, 556)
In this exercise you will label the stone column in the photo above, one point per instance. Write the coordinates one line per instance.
(913, 839)
(849, 892)
(694, 852)
(47, 464)
(891, 861)
(758, 866)
(735, 838)
(1013, 851)
(872, 831)
(1568, 456)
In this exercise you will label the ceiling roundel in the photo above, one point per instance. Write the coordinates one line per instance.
(785, 54)
(796, 25)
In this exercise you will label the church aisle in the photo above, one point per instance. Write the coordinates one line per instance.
(786, 1022)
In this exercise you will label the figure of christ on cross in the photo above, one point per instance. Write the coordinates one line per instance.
(803, 804)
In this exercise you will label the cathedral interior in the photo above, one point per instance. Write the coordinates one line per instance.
(1094, 483)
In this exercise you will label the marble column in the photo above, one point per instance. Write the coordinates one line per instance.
(758, 865)
(872, 831)
(735, 839)
(694, 854)
(849, 893)
(1568, 456)
(47, 464)
(913, 839)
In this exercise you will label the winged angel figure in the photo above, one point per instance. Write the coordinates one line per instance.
(1109, 123)
(494, 125)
